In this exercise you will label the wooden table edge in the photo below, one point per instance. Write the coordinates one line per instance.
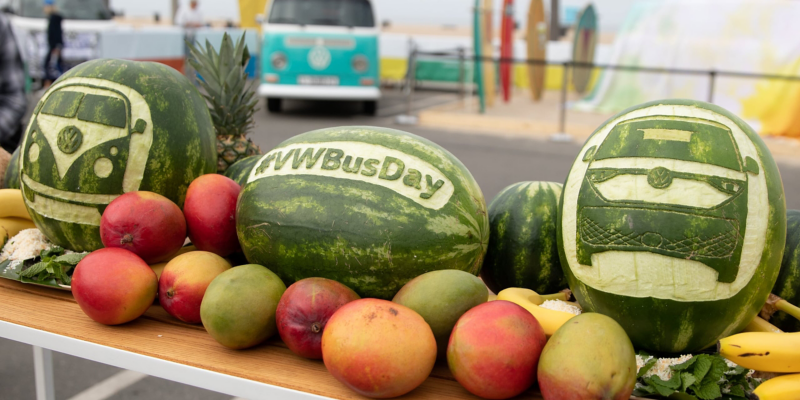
(186, 374)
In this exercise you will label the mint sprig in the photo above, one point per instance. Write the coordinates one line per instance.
(702, 377)
(54, 268)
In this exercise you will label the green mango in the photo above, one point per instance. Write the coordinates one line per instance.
(239, 306)
(441, 298)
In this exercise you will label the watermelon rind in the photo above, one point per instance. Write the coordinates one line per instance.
(669, 323)
(108, 127)
(11, 178)
(368, 228)
(523, 249)
(787, 286)
(240, 170)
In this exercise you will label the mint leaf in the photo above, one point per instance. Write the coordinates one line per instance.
(687, 379)
(34, 270)
(656, 383)
(708, 391)
(717, 371)
(71, 259)
(737, 391)
(646, 367)
(51, 252)
(684, 365)
(673, 383)
(702, 366)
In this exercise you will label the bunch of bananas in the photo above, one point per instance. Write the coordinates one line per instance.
(550, 320)
(14, 216)
(770, 352)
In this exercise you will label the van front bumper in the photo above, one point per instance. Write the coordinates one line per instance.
(319, 92)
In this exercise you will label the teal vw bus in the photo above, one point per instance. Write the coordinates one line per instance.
(320, 50)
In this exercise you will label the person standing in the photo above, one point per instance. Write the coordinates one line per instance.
(55, 43)
(190, 20)
(13, 102)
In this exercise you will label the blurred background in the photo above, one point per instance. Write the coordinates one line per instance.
(511, 87)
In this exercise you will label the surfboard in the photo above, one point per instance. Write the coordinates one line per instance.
(477, 43)
(489, 75)
(506, 47)
(537, 47)
(583, 46)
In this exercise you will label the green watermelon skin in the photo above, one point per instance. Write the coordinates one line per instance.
(787, 286)
(669, 326)
(183, 144)
(352, 230)
(240, 170)
(11, 179)
(523, 250)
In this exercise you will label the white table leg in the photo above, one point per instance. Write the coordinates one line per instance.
(43, 369)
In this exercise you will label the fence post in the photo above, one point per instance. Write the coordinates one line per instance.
(712, 75)
(562, 120)
(411, 72)
(461, 75)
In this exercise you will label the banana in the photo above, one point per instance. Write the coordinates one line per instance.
(784, 387)
(3, 237)
(550, 320)
(759, 324)
(12, 205)
(14, 225)
(763, 351)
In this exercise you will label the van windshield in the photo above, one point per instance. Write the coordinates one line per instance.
(354, 13)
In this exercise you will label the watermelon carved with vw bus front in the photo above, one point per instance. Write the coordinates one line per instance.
(105, 128)
(673, 223)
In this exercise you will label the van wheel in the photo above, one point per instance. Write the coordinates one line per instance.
(273, 105)
(370, 107)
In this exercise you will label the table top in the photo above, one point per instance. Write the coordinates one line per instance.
(158, 344)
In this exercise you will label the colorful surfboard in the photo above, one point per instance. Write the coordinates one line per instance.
(489, 75)
(506, 47)
(583, 46)
(537, 47)
(477, 44)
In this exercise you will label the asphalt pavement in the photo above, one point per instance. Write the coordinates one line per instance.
(494, 161)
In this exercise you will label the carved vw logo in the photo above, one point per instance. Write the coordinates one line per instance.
(319, 58)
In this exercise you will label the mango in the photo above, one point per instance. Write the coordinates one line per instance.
(441, 298)
(377, 348)
(494, 350)
(589, 357)
(238, 309)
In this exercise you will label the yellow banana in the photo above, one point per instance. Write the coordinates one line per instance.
(759, 324)
(784, 387)
(3, 237)
(550, 320)
(12, 205)
(763, 351)
(14, 225)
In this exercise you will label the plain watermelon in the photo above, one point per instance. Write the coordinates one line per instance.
(523, 249)
(787, 286)
(11, 178)
(673, 223)
(108, 127)
(240, 170)
(369, 207)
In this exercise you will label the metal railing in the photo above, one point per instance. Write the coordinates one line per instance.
(459, 54)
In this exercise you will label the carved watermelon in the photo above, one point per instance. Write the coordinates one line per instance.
(369, 207)
(105, 128)
(673, 223)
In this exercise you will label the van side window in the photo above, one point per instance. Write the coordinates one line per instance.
(104, 110)
(63, 103)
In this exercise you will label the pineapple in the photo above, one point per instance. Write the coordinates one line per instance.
(231, 99)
